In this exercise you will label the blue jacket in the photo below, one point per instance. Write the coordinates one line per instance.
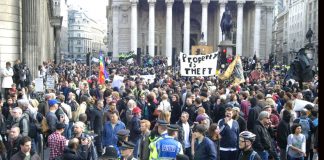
(168, 147)
(230, 136)
(109, 135)
(205, 150)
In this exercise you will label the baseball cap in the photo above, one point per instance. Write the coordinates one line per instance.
(52, 102)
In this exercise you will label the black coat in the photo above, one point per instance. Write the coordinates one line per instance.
(175, 112)
(206, 105)
(253, 116)
(135, 129)
(262, 139)
(192, 112)
(69, 154)
(283, 132)
(96, 120)
(242, 123)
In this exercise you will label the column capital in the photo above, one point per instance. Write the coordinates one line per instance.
(258, 2)
(240, 3)
(151, 1)
(205, 1)
(269, 8)
(115, 6)
(187, 1)
(222, 1)
(133, 1)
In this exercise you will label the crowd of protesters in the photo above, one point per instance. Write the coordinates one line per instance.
(170, 117)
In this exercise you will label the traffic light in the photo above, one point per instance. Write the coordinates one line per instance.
(223, 55)
(224, 51)
(88, 59)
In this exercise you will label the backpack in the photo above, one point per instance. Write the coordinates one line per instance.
(32, 128)
(252, 155)
(305, 126)
(44, 125)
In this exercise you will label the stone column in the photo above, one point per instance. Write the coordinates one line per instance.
(186, 27)
(9, 31)
(257, 23)
(57, 45)
(134, 26)
(239, 31)
(115, 31)
(204, 18)
(151, 42)
(168, 36)
(222, 4)
(30, 34)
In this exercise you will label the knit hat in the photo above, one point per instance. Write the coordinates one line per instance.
(137, 110)
(200, 118)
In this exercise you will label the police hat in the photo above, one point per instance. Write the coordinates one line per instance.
(123, 132)
(127, 145)
(173, 127)
(162, 122)
(110, 152)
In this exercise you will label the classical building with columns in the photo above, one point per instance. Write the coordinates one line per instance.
(29, 31)
(157, 27)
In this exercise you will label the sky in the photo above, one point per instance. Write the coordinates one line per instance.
(96, 8)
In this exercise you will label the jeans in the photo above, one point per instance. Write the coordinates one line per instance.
(187, 152)
(264, 155)
(68, 130)
(228, 155)
(136, 142)
(283, 154)
(292, 158)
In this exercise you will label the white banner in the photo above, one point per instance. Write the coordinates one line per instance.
(198, 65)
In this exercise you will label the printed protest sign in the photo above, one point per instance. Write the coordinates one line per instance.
(198, 65)
(50, 82)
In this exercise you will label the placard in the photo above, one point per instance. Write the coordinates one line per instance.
(198, 65)
(50, 82)
(39, 85)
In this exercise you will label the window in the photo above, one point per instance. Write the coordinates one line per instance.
(79, 35)
(78, 42)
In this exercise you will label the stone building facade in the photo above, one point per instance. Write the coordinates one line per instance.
(85, 34)
(157, 27)
(28, 31)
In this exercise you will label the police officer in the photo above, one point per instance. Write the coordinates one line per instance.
(167, 147)
(159, 131)
(245, 143)
(126, 150)
(122, 136)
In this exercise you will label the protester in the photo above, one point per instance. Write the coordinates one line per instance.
(25, 150)
(229, 130)
(245, 143)
(99, 113)
(56, 141)
(202, 147)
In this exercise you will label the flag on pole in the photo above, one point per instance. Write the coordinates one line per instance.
(103, 75)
